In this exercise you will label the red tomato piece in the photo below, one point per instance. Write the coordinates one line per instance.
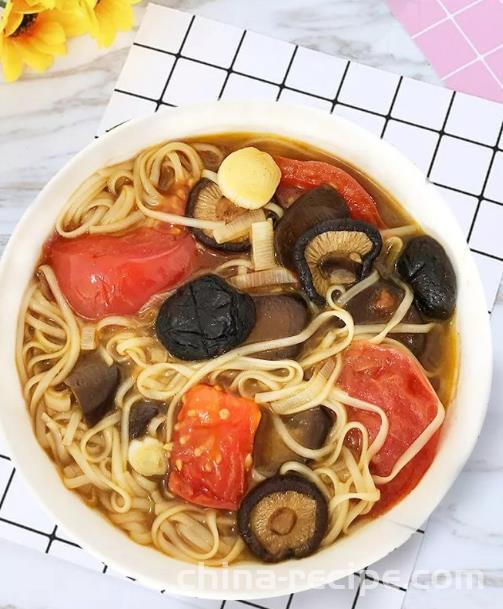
(391, 379)
(308, 174)
(210, 464)
(407, 479)
(104, 275)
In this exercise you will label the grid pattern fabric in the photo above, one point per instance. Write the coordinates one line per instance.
(179, 58)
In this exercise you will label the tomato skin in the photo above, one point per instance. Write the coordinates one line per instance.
(104, 275)
(308, 174)
(212, 446)
(394, 381)
(407, 479)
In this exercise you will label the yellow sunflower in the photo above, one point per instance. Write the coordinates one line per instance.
(73, 16)
(34, 32)
(32, 6)
(107, 17)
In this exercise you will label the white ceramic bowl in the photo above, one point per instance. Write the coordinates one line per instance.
(464, 419)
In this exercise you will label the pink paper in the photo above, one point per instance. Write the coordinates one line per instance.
(462, 39)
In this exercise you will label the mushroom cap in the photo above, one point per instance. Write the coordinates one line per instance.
(94, 383)
(278, 316)
(140, 415)
(314, 206)
(425, 265)
(309, 428)
(206, 202)
(285, 516)
(204, 318)
(352, 242)
(377, 303)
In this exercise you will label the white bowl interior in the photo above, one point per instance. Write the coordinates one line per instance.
(465, 416)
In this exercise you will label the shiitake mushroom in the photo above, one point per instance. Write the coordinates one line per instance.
(204, 318)
(283, 517)
(425, 265)
(377, 303)
(278, 316)
(315, 206)
(335, 252)
(206, 202)
(94, 384)
(140, 415)
(309, 428)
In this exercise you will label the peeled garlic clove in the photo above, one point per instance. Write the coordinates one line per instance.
(249, 177)
(148, 457)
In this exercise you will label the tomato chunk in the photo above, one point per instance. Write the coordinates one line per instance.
(115, 275)
(407, 479)
(393, 380)
(210, 464)
(308, 174)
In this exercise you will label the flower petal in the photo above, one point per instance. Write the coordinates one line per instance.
(31, 57)
(56, 49)
(124, 20)
(107, 17)
(40, 5)
(12, 23)
(51, 32)
(11, 63)
(74, 23)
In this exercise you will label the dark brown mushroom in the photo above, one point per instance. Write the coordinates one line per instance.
(425, 265)
(309, 428)
(94, 383)
(315, 206)
(278, 316)
(206, 202)
(140, 416)
(204, 318)
(377, 303)
(283, 517)
(335, 252)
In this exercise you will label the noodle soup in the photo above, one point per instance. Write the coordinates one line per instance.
(238, 347)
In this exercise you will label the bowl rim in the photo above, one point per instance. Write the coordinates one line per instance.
(388, 167)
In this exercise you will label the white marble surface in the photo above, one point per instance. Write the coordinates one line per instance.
(45, 120)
